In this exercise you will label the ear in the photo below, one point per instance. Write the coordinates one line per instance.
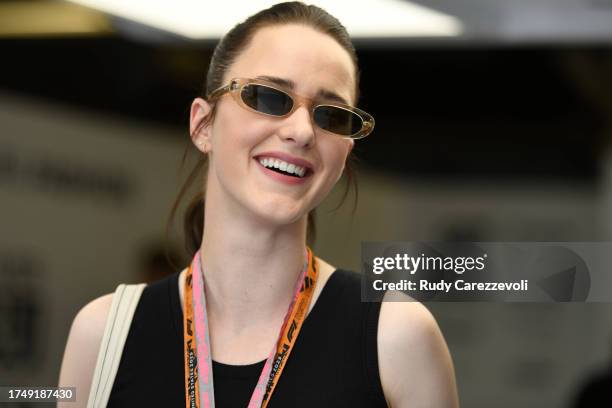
(200, 135)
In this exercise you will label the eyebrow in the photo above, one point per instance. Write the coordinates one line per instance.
(287, 83)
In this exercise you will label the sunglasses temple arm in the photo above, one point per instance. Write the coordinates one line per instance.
(219, 91)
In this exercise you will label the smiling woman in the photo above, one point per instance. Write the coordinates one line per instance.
(256, 310)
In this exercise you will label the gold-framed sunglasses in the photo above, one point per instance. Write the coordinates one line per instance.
(269, 99)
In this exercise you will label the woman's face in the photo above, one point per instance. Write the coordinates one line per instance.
(238, 139)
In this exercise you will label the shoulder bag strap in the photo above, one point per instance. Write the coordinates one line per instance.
(117, 327)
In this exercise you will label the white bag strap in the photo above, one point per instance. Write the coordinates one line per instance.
(116, 331)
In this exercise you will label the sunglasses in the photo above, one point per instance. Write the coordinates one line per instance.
(266, 98)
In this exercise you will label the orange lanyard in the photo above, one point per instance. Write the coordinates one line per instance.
(199, 387)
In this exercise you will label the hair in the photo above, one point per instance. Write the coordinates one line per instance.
(225, 54)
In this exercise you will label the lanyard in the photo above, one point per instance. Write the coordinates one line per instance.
(199, 388)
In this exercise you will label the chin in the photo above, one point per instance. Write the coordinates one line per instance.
(281, 214)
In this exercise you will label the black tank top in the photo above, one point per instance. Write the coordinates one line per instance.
(334, 362)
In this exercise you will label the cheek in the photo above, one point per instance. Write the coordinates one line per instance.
(336, 153)
(235, 133)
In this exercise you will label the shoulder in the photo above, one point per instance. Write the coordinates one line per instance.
(88, 325)
(82, 347)
(414, 362)
(92, 317)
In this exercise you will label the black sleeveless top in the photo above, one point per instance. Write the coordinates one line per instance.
(334, 361)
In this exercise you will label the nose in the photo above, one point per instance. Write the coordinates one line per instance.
(298, 128)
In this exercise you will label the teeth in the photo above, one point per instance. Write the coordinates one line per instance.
(282, 165)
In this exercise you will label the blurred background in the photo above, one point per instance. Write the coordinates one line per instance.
(493, 123)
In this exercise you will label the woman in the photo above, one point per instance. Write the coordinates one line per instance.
(276, 129)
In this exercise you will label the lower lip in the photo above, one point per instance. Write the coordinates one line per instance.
(282, 177)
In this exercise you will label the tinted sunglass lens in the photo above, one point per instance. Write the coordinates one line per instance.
(266, 100)
(337, 120)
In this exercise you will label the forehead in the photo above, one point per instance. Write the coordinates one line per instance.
(312, 60)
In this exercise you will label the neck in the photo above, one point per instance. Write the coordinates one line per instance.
(250, 270)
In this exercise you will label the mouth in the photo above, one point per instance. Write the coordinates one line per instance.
(285, 168)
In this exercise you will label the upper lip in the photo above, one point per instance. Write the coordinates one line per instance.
(288, 158)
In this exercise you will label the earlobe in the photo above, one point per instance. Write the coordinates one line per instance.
(199, 121)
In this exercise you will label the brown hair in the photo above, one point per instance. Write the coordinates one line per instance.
(224, 55)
